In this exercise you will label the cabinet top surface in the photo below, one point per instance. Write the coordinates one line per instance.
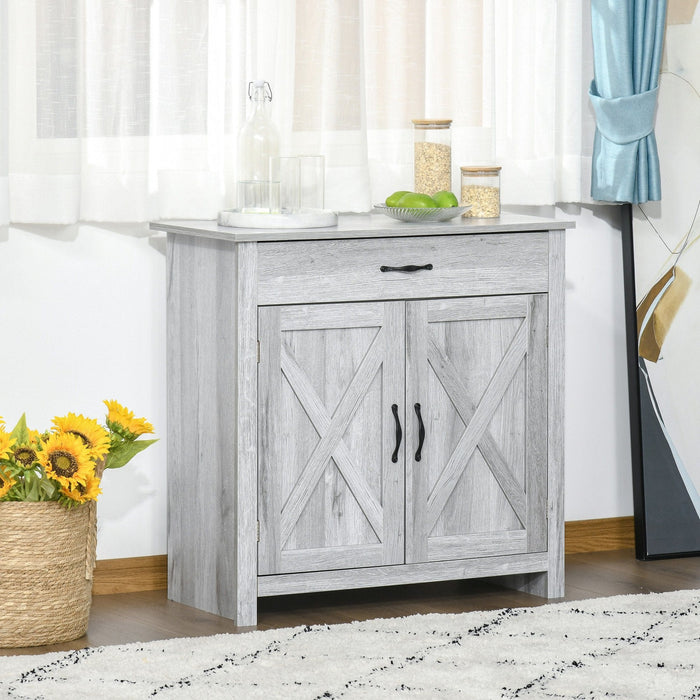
(365, 226)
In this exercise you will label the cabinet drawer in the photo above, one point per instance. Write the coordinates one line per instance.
(351, 270)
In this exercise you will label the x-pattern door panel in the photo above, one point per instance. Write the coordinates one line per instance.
(477, 368)
(329, 495)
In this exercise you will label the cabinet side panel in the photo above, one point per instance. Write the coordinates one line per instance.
(556, 414)
(201, 372)
(246, 454)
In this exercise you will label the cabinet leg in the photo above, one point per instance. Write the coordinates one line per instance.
(540, 584)
(247, 613)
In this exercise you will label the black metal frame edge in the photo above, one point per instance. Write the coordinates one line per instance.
(630, 296)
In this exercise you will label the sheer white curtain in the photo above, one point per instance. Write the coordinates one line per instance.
(128, 110)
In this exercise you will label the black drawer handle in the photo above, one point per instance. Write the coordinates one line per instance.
(421, 432)
(406, 268)
(395, 411)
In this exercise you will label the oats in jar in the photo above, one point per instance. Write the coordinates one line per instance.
(433, 166)
(485, 201)
(481, 190)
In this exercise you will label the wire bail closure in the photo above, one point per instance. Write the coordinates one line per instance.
(265, 85)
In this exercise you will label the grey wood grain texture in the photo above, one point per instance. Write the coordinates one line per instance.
(329, 271)
(366, 226)
(395, 575)
(466, 367)
(318, 462)
(477, 544)
(416, 387)
(246, 431)
(555, 431)
(477, 417)
(327, 487)
(270, 446)
(394, 473)
(321, 419)
(478, 308)
(537, 425)
(208, 450)
(328, 558)
(325, 316)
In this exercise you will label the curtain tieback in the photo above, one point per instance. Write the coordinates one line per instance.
(624, 119)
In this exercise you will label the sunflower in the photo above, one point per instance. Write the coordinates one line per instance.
(6, 483)
(81, 494)
(93, 435)
(122, 421)
(25, 455)
(6, 443)
(67, 459)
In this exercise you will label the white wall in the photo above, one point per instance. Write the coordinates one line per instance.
(597, 439)
(82, 313)
(82, 310)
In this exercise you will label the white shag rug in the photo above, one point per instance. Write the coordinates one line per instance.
(625, 647)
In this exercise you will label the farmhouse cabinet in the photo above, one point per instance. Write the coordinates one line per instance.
(370, 404)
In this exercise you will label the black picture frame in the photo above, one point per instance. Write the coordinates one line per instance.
(666, 523)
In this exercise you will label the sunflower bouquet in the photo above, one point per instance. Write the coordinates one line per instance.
(66, 462)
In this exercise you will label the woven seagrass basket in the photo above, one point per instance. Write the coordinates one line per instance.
(47, 556)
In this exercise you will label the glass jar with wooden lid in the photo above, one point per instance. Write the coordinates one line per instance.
(432, 155)
(481, 188)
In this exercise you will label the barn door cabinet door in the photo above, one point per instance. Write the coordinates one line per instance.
(330, 469)
(401, 432)
(476, 378)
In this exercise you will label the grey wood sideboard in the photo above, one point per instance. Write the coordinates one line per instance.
(371, 404)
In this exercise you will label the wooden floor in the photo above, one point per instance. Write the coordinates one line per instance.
(142, 617)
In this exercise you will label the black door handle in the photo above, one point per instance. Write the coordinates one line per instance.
(399, 434)
(421, 432)
(406, 268)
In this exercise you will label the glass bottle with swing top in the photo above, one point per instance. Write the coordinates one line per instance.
(258, 142)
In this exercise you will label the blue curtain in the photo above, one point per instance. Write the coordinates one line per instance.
(627, 44)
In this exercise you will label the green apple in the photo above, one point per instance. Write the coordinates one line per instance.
(393, 199)
(415, 200)
(445, 199)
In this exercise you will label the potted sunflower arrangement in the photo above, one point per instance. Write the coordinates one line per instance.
(49, 485)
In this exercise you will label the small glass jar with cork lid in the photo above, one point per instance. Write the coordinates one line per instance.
(481, 188)
(432, 155)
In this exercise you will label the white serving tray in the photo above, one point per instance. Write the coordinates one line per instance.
(304, 218)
